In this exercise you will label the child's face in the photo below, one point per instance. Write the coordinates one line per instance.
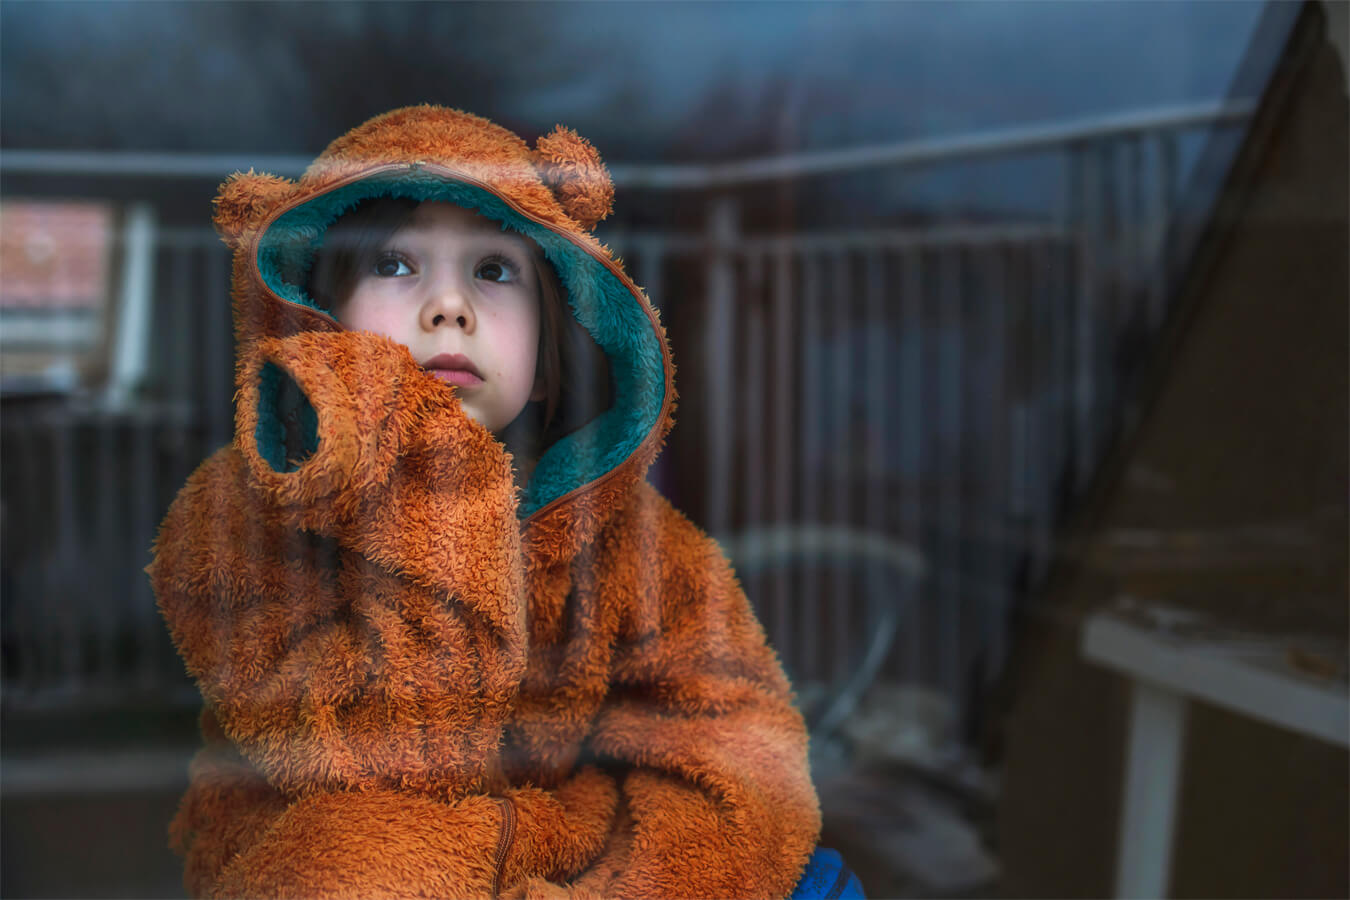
(463, 296)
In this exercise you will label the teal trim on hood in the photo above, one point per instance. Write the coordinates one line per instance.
(600, 301)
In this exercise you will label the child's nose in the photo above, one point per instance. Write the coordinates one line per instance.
(447, 303)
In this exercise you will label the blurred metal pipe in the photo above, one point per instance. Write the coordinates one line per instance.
(755, 469)
(131, 335)
(843, 456)
(720, 361)
(996, 269)
(1004, 141)
(950, 366)
(911, 453)
(122, 164)
(812, 448)
(1000, 142)
(1162, 200)
(785, 387)
(1086, 163)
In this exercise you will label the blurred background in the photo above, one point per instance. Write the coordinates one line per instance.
(1012, 348)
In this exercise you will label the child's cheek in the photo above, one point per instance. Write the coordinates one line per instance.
(519, 345)
(367, 314)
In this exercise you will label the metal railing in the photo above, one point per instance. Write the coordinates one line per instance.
(946, 388)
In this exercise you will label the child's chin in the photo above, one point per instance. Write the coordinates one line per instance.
(480, 416)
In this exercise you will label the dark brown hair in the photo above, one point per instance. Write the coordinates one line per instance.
(574, 371)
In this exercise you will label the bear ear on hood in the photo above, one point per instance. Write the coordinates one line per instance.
(244, 201)
(572, 169)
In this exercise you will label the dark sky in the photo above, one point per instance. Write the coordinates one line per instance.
(645, 81)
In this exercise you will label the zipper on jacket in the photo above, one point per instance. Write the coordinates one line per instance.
(508, 834)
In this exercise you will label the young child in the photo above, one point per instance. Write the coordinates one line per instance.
(451, 644)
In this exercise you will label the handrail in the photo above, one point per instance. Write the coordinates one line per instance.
(910, 153)
(928, 151)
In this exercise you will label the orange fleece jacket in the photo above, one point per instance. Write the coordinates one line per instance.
(418, 683)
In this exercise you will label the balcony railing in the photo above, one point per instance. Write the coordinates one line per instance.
(943, 390)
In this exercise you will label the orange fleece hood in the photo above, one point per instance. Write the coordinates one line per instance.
(554, 193)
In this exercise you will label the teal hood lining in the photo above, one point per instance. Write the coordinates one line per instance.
(598, 299)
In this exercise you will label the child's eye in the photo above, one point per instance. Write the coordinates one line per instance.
(498, 270)
(390, 266)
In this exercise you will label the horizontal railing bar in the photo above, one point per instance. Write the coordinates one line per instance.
(911, 153)
(666, 243)
(934, 150)
(89, 408)
(145, 164)
(809, 242)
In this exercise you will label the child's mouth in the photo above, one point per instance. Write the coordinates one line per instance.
(461, 377)
(453, 368)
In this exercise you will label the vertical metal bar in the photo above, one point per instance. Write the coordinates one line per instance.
(786, 374)
(811, 422)
(1170, 169)
(131, 339)
(754, 402)
(1040, 432)
(215, 330)
(1138, 248)
(187, 416)
(1020, 511)
(1065, 329)
(109, 548)
(841, 483)
(876, 486)
(143, 621)
(34, 437)
(16, 449)
(911, 453)
(1109, 318)
(754, 399)
(993, 604)
(1088, 186)
(177, 311)
(950, 354)
(1059, 278)
(1161, 198)
(719, 361)
(651, 265)
(61, 593)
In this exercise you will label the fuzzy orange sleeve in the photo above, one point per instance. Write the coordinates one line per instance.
(357, 622)
(241, 837)
(718, 800)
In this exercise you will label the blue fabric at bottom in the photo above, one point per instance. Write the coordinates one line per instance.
(827, 878)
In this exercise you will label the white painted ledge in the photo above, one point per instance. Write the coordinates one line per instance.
(1168, 667)
(1249, 677)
